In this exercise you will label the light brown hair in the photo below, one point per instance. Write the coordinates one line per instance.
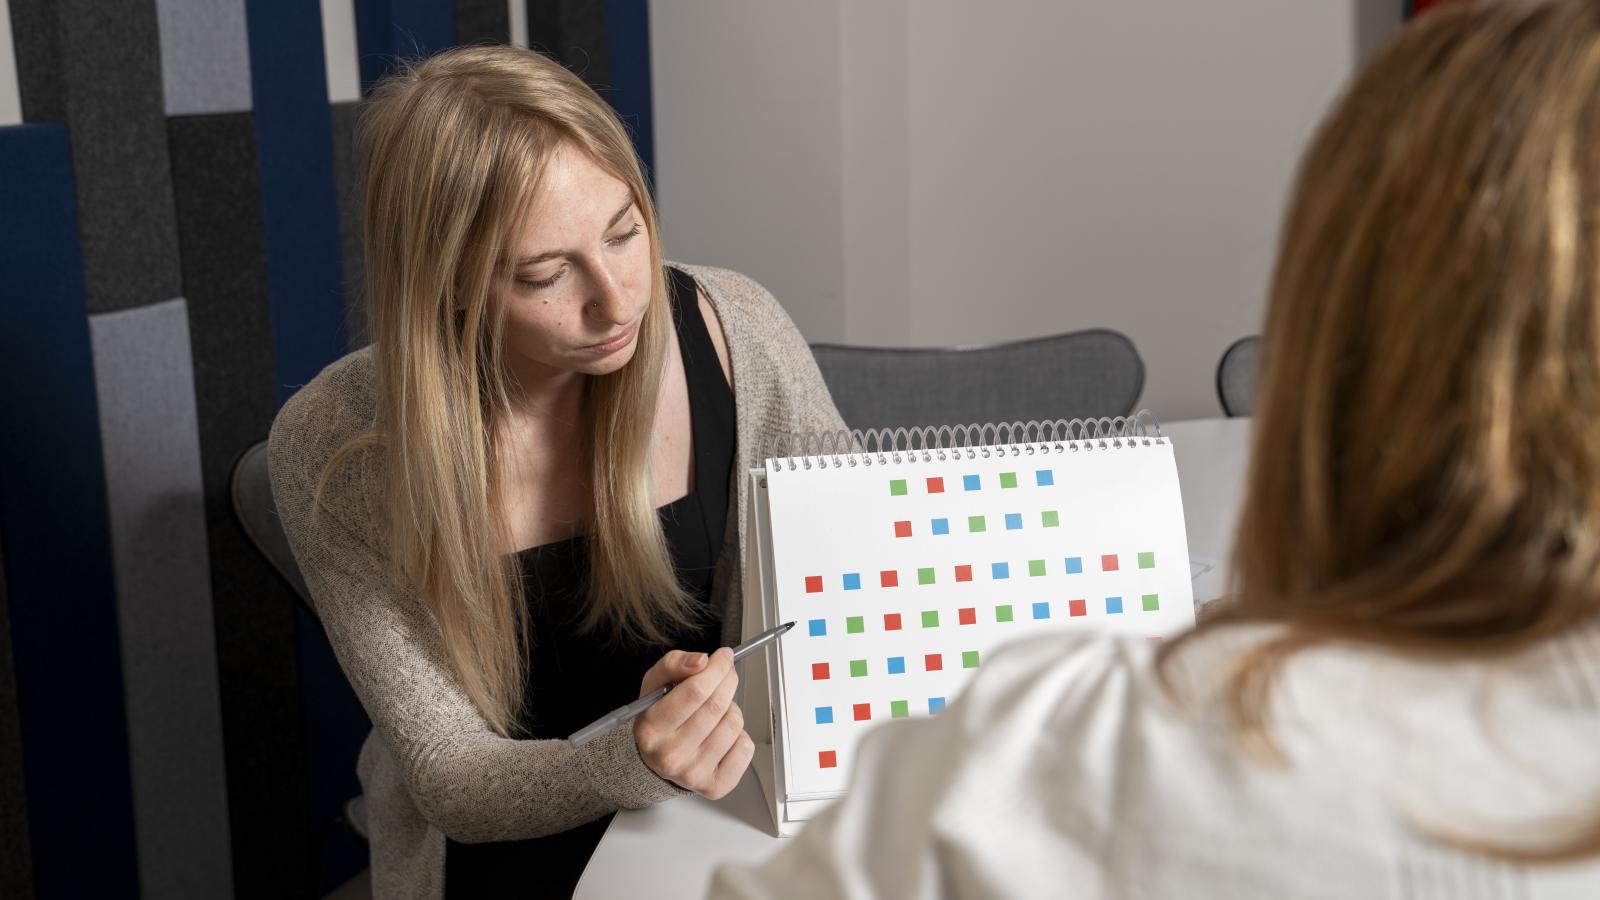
(1425, 474)
(451, 151)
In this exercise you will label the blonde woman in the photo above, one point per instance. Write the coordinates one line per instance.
(1402, 698)
(519, 507)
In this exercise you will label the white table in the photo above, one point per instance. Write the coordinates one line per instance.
(669, 850)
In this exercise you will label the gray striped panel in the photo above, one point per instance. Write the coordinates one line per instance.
(96, 67)
(145, 387)
(235, 383)
(10, 100)
(348, 185)
(205, 56)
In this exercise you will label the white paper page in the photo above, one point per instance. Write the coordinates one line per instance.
(852, 553)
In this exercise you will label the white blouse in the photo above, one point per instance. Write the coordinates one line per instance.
(1068, 770)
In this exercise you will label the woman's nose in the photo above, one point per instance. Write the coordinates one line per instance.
(608, 302)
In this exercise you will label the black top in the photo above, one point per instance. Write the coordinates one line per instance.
(573, 677)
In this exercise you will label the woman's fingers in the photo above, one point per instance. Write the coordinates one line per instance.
(700, 723)
(674, 666)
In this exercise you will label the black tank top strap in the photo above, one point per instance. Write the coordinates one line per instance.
(712, 415)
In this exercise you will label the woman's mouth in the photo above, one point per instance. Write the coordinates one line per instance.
(612, 345)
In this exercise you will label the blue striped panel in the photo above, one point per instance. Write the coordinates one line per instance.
(628, 35)
(389, 30)
(299, 209)
(53, 525)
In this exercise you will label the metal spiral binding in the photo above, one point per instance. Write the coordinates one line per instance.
(884, 445)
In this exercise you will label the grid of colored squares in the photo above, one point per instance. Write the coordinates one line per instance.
(895, 665)
(998, 571)
(862, 712)
(968, 615)
(1012, 521)
(900, 487)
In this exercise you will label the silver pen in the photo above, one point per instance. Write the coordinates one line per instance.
(623, 713)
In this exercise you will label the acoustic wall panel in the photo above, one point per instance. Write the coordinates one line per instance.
(388, 31)
(16, 866)
(96, 67)
(482, 21)
(205, 57)
(339, 43)
(299, 207)
(10, 100)
(58, 579)
(225, 263)
(345, 117)
(145, 389)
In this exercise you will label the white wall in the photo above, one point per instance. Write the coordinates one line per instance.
(924, 173)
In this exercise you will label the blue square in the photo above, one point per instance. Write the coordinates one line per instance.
(1045, 477)
(819, 627)
(970, 482)
(998, 571)
(852, 581)
(941, 526)
(935, 704)
(1074, 565)
(897, 665)
(824, 715)
(1013, 521)
(1113, 605)
(1041, 610)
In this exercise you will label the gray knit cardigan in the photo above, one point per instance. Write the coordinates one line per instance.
(431, 768)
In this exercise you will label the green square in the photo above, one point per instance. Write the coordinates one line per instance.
(1152, 602)
(897, 487)
(930, 618)
(974, 523)
(924, 576)
(899, 709)
(1052, 519)
(1035, 567)
(969, 659)
(1147, 560)
(858, 668)
(1008, 479)
(1002, 613)
(853, 624)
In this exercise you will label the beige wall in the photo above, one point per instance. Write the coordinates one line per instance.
(920, 173)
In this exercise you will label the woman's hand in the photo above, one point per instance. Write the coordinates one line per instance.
(695, 736)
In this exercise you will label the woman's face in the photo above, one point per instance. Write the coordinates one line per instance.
(580, 273)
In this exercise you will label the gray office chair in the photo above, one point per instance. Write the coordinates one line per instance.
(1236, 376)
(1083, 374)
(257, 514)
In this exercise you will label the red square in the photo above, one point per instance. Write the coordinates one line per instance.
(819, 671)
(813, 584)
(863, 711)
(968, 616)
(889, 578)
(963, 573)
(891, 621)
(933, 662)
(935, 485)
(1108, 563)
(1076, 608)
(902, 529)
(827, 759)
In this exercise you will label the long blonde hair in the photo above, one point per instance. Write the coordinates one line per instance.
(1425, 474)
(451, 151)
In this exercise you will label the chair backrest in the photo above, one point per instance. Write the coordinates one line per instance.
(258, 516)
(1236, 376)
(1084, 374)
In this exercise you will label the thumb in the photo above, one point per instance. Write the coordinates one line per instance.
(674, 667)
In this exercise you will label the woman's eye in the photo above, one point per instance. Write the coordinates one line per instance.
(624, 238)
(543, 283)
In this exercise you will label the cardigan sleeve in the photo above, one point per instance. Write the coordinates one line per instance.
(467, 781)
